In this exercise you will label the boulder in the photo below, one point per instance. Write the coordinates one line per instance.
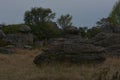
(21, 39)
(106, 39)
(2, 34)
(71, 51)
(113, 51)
(10, 49)
(71, 30)
(24, 29)
(38, 44)
(117, 29)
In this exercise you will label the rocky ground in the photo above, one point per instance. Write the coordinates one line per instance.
(20, 66)
(62, 58)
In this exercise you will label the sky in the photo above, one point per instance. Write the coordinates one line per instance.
(84, 12)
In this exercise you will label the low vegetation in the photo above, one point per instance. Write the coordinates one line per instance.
(19, 66)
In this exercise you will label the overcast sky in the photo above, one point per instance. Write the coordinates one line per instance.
(84, 12)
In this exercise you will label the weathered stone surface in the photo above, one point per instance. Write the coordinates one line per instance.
(21, 39)
(110, 29)
(2, 34)
(106, 39)
(111, 42)
(7, 49)
(24, 29)
(71, 51)
(113, 50)
(38, 44)
(117, 29)
(71, 30)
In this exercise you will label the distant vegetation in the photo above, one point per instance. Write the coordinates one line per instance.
(65, 20)
(10, 29)
(43, 27)
(115, 13)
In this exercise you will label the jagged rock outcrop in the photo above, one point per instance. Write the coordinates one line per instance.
(24, 29)
(106, 39)
(10, 49)
(114, 50)
(2, 34)
(71, 30)
(21, 39)
(68, 50)
(110, 41)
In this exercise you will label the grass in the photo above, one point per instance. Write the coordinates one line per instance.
(20, 66)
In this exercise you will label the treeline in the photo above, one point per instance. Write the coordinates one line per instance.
(43, 27)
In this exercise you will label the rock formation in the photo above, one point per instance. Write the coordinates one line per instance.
(21, 39)
(68, 50)
(2, 36)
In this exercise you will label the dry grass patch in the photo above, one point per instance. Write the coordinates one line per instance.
(20, 66)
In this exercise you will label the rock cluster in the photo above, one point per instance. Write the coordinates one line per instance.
(109, 40)
(23, 39)
(7, 49)
(71, 50)
(2, 34)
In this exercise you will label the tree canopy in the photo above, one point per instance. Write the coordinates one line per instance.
(65, 21)
(40, 21)
(37, 16)
(115, 13)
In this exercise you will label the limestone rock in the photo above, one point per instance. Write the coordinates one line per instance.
(24, 29)
(113, 51)
(10, 49)
(106, 39)
(71, 30)
(2, 34)
(71, 51)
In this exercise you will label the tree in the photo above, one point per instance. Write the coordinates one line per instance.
(92, 32)
(107, 25)
(38, 16)
(40, 21)
(105, 22)
(83, 31)
(65, 21)
(49, 30)
(115, 13)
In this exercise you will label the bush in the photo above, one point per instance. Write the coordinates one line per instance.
(46, 31)
(10, 29)
(92, 32)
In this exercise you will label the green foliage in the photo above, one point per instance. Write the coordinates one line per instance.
(10, 29)
(115, 13)
(37, 16)
(83, 31)
(105, 22)
(40, 20)
(92, 32)
(65, 21)
(46, 31)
